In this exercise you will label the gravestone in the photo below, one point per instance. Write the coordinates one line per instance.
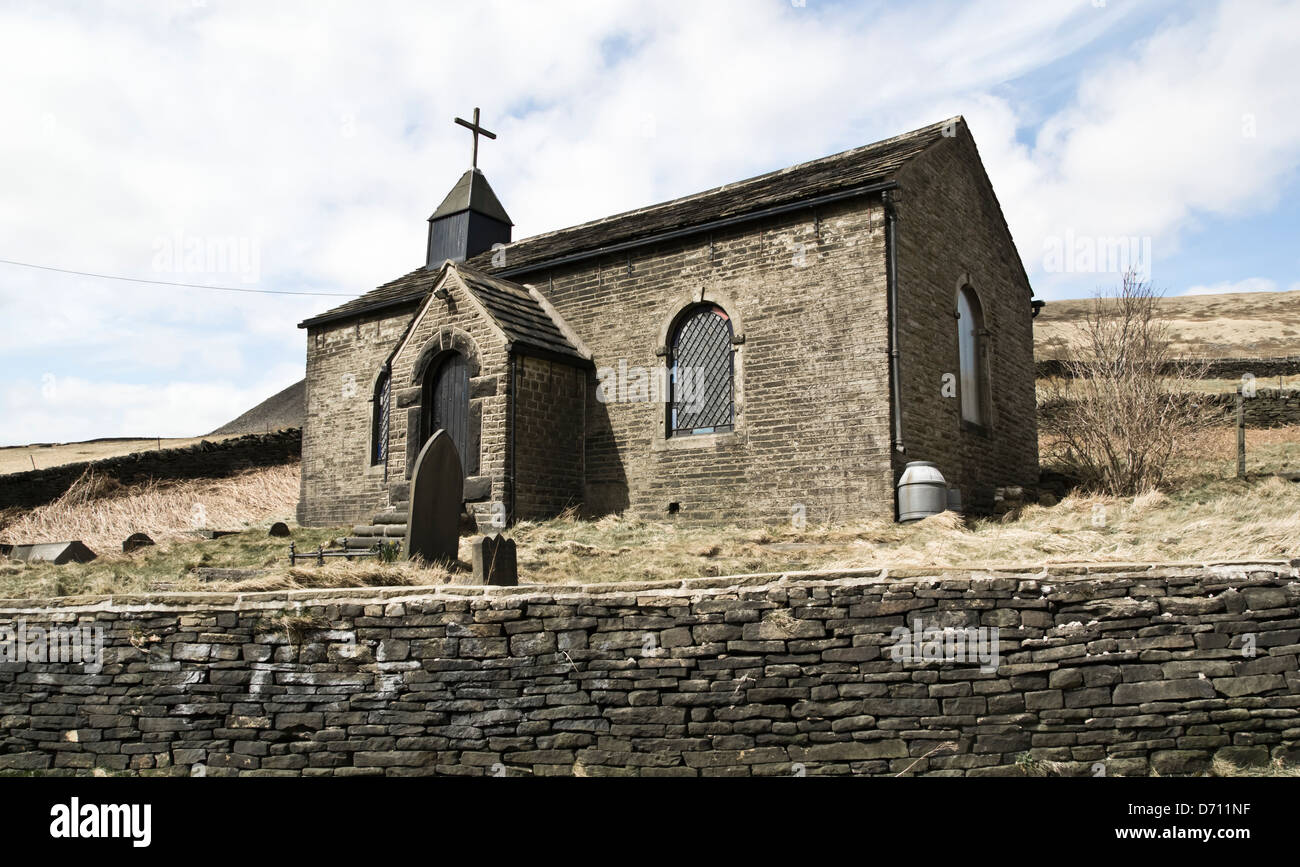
(494, 561)
(57, 553)
(215, 534)
(279, 528)
(135, 542)
(437, 494)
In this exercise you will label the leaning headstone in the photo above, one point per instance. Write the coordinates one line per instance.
(279, 528)
(494, 561)
(437, 494)
(135, 542)
(57, 553)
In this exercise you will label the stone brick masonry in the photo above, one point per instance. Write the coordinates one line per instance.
(951, 234)
(340, 484)
(1128, 668)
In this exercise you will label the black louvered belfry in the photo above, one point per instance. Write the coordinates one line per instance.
(702, 373)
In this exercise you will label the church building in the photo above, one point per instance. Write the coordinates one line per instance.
(775, 348)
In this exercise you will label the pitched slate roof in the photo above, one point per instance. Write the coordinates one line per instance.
(473, 193)
(852, 168)
(519, 315)
(859, 167)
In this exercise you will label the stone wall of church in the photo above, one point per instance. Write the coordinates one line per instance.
(454, 324)
(1117, 669)
(811, 440)
(950, 232)
(340, 486)
(549, 418)
(806, 293)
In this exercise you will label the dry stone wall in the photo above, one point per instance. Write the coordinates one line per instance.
(1123, 669)
(207, 459)
(1269, 407)
(1216, 368)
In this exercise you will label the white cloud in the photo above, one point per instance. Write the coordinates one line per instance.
(321, 133)
(1197, 122)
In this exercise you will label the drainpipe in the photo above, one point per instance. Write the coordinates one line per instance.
(891, 280)
(514, 399)
(895, 376)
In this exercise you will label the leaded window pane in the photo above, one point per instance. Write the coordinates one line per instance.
(702, 374)
(382, 395)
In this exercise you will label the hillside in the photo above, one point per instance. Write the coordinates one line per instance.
(43, 456)
(1242, 325)
(283, 410)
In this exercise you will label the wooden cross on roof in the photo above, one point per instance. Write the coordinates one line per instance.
(477, 130)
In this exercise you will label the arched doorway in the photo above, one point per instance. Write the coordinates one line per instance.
(446, 404)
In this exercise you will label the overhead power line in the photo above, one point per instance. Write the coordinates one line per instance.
(183, 285)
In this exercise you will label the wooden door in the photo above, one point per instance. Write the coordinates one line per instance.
(447, 404)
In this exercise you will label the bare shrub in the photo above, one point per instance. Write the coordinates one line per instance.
(90, 486)
(1124, 410)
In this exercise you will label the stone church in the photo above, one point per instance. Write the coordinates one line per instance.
(774, 348)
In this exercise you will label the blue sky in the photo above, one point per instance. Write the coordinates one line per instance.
(301, 146)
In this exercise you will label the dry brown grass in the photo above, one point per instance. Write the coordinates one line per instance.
(1205, 515)
(1226, 520)
(101, 513)
(17, 459)
(1275, 768)
(174, 567)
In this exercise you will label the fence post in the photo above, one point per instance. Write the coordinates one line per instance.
(1241, 434)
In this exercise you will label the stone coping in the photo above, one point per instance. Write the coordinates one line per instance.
(1060, 572)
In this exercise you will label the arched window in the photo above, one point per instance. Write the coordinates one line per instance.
(379, 421)
(702, 396)
(971, 352)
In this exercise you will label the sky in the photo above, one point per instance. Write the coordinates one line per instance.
(300, 147)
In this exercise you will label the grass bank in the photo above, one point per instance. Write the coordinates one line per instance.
(1205, 514)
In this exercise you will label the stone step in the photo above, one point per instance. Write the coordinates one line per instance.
(390, 517)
